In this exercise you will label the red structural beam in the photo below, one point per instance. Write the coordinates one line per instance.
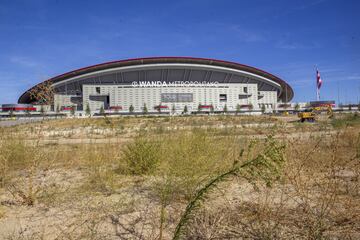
(245, 106)
(284, 105)
(67, 108)
(161, 107)
(116, 108)
(206, 106)
(7, 109)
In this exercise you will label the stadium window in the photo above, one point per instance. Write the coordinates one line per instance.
(97, 90)
(223, 98)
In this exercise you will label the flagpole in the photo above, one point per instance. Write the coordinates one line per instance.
(316, 84)
(317, 93)
(338, 92)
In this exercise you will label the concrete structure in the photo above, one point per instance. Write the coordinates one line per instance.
(167, 84)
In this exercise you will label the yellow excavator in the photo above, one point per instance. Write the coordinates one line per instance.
(310, 114)
(307, 115)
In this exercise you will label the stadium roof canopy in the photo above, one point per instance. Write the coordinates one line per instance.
(285, 92)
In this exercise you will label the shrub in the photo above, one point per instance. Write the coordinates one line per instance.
(346, 120)
(87, 110)
(266, 166)
(225, 109)
(193, 158)
(238, 108)
(131, 109)
(263, 109)
(101, 175)
(145, 110)
(185, 109)
(72, 110)
(141, 156)
(102, 111)
(14, 155)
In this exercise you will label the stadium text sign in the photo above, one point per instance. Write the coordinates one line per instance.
(174, 84)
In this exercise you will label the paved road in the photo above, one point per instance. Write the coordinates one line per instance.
(119, 140)
(9, 123)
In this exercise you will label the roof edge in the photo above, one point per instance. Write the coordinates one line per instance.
(24, 98)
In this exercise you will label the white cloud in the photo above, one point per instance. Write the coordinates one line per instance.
(353, 77)
(304, 6)
(24, 61)
(301, 82)
(296, 45)
(247, 35)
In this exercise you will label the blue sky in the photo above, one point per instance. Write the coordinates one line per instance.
(40, 39)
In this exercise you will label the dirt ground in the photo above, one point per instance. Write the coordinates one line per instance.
(75, 184)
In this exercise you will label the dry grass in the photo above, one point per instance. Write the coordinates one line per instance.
(318, 197)
(138, 189)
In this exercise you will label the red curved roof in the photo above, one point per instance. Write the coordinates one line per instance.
(25, 98)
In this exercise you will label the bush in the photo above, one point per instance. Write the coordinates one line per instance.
(141, 156)
(14, 155)
(345, 120)
(191, 159)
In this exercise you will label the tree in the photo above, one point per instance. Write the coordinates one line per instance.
(173, 109)
(211, 108)
(88, 110)
(145, 110)
(11, 113)
(263, 109)
(43, 93)
(225, 109)
(57, 110)
(285, 106)
(102, 110)
(27, 111)
(42, 110)
(297, 107)
(359, 106)
(250, 106)
(131, 108)
(349, 106)
(185, 110)
(72, 110)
(238, 108)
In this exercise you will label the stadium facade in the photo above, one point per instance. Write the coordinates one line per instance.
(167, 84)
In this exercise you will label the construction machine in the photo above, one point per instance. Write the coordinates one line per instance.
(307, 115)
(310, 114)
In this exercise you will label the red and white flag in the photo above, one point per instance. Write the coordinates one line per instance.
(318, 79)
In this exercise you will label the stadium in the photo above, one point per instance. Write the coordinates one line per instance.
(166, 84)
